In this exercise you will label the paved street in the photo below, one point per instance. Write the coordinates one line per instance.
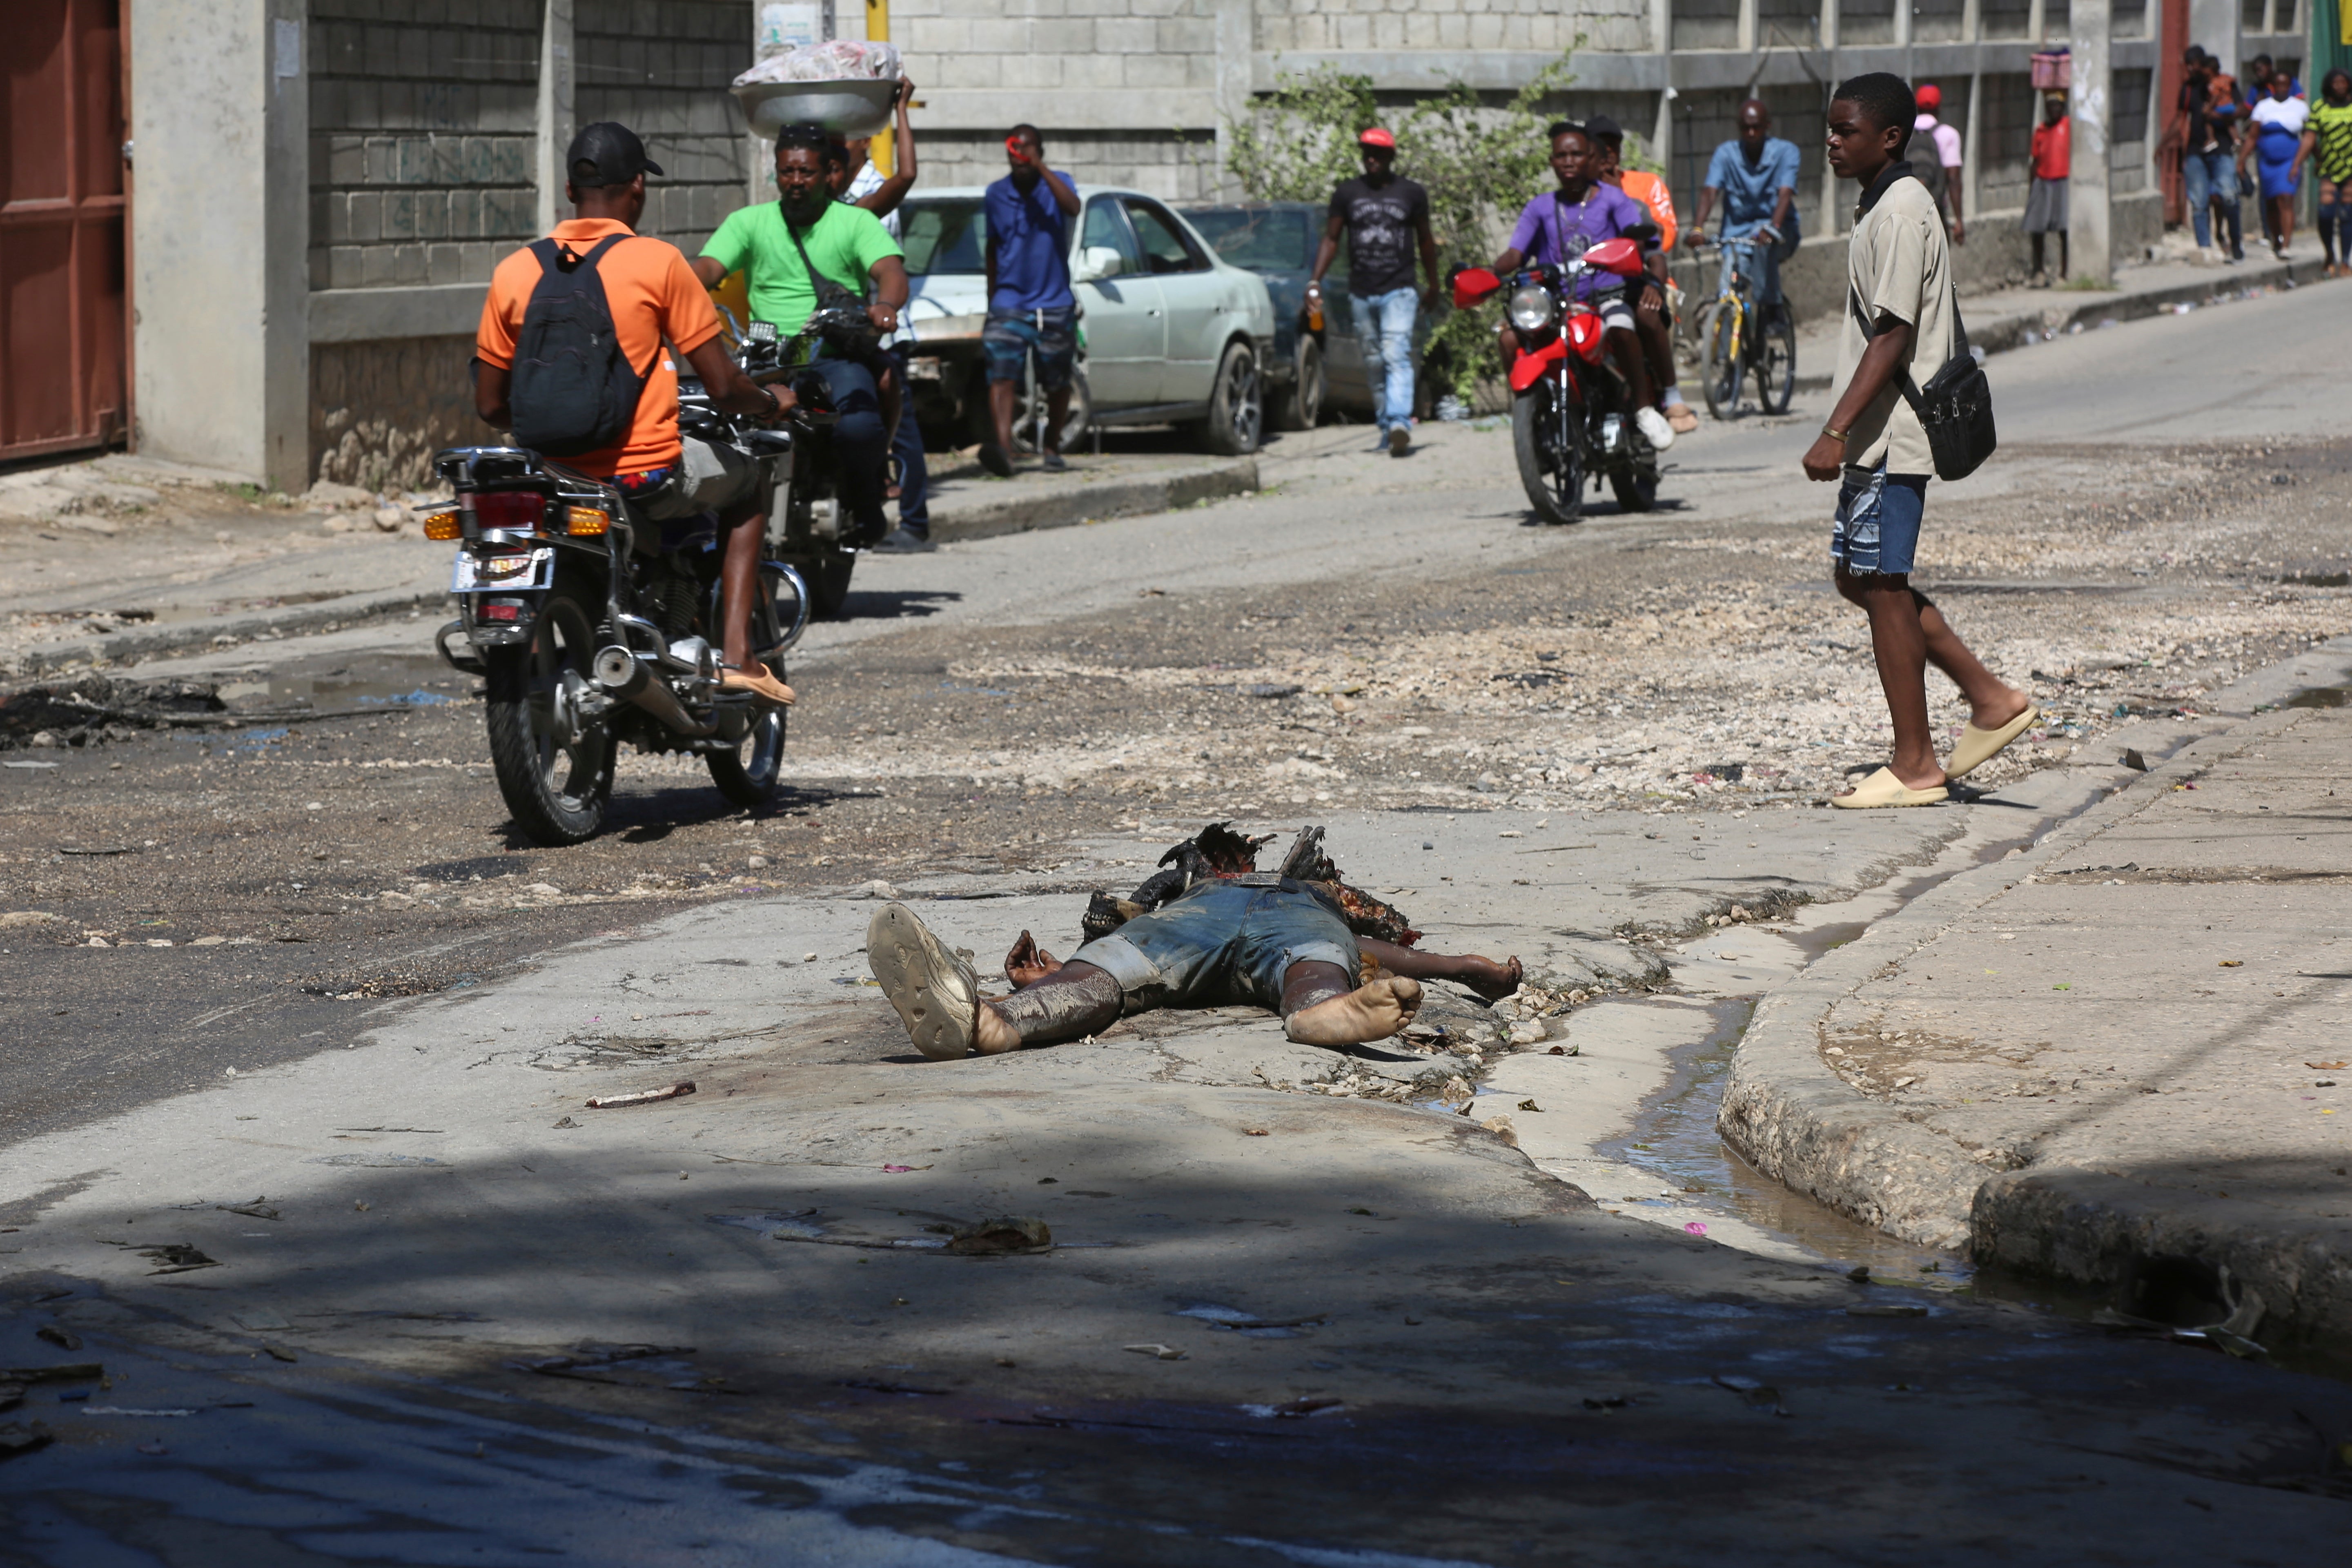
(381, 1011)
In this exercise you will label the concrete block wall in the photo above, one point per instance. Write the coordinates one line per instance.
(662, 69)
(1057, 44)
(380, 410)
(422, 122)
(1543, 27)
(1172, 167)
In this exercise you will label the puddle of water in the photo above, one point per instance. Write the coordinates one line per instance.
(1674, 1136)
(2319, 697)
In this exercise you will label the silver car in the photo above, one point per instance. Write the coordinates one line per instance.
(1169, 332)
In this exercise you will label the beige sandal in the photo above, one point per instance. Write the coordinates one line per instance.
(1978, 747)
(759, 680)
(1883, 788)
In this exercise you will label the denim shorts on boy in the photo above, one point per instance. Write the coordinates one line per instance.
(1226, 942)
(1006, 339)
(1877, 526)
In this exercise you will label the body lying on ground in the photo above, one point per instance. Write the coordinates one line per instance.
(1209, 931)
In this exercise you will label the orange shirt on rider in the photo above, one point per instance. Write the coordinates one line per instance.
(1651, 193)
(652, 295)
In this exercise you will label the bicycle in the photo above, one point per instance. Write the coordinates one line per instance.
(1733, 339)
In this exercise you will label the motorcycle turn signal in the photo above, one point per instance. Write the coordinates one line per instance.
(442, 525)
(586, 521)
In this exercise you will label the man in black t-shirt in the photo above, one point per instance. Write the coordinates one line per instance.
(1383, 214)
(2206, 119)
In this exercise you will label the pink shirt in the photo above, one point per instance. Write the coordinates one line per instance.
(1947, 140)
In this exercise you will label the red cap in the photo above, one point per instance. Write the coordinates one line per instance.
(1375, 137)
(1930, 97)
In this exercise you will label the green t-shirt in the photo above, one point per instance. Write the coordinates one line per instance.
(845, 244)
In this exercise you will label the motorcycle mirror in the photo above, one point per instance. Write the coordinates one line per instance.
(1473, 284)
(1620, 256)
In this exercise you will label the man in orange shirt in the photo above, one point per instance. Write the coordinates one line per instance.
(1650, 319)
(2046, 199)
(653, 298)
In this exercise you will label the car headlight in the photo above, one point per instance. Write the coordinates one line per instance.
(1531, 307)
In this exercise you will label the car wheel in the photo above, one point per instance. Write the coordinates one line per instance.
(1301, 407)
(1237, 413)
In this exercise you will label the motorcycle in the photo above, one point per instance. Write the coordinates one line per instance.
(1571, 410)
(590, 626)
(808, 525)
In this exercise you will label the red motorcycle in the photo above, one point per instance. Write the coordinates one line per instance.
(1571, 410)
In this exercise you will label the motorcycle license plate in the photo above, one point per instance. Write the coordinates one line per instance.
(506, 571)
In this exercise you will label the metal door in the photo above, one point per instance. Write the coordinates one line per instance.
(62, 272)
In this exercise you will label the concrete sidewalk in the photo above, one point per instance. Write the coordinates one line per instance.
(115, 560)
(2123, 1045)
(2008, 319)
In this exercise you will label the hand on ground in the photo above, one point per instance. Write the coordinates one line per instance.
(1028, 963)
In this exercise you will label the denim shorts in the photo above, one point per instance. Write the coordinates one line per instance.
(1006, 339)
(1224, 943)
(1877, 527)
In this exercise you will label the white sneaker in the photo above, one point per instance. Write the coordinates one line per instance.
(1654, 428)
(2208, 256)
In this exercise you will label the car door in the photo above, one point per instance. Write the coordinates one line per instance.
(1126, 322)
(1343, 352)
(1195, 296)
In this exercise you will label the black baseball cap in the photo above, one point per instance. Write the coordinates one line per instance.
(1601, 128)
(607, 154)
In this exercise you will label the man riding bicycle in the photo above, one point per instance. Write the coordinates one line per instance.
(1755, 177)
(799, 252)
(652, 298)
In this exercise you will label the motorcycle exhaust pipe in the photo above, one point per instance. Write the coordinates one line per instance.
(626, 677)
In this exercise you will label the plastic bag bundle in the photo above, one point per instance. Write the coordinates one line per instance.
(840, 61)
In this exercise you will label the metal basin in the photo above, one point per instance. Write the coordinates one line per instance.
(853, 107)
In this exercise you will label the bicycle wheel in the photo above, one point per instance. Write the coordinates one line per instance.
(1718, 336)
(1775, 350)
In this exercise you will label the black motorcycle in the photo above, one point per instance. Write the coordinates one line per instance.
(591, 626)
(808, 523)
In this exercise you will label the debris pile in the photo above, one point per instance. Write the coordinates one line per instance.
(92, 708)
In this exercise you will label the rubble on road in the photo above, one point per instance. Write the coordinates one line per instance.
(93, 709)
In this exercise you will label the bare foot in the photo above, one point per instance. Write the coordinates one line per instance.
(991, 1035)
(1028, 963)
(1491, 980)
(1373, 1011)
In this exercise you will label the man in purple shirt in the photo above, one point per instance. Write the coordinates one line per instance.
(1562, 225)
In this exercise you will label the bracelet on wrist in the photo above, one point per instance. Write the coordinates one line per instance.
(1834, 434)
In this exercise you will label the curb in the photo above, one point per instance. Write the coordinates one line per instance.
(1082, 503)
(1798, 1123)
(2000, 334)
(1063, 508)
(178, 637)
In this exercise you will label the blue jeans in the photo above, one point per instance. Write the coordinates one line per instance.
(914, 475)
(1876, 531)
(2209, 177)
(1227, 941)
(860, 444)
(1384, 326)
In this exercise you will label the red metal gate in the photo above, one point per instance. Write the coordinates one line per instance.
(62, 262)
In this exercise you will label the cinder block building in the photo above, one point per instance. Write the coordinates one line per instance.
(253, 234)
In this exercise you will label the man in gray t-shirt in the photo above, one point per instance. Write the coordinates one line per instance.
(1382, 215)
(1901, 314)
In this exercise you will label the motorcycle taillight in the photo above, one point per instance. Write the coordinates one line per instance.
(519, 510)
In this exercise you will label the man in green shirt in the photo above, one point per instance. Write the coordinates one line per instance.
(848, 246)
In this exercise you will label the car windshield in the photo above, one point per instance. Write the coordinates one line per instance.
(944, 238)
(1276, 240)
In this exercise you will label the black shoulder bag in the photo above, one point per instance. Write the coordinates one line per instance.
(858, 346)
(1955, 408)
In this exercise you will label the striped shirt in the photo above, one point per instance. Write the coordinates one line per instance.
(2334, 154)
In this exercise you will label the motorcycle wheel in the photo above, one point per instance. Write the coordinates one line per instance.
(828, 585)
(749, 775)
(554, 769)
(1636, 487)
(1028, 414)
(1718, 336)
(1551, 461)
(1776, 364)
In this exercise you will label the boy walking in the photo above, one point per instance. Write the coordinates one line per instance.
(1899, 328)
